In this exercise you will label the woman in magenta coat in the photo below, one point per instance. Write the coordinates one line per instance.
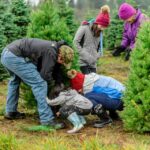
(133, 19)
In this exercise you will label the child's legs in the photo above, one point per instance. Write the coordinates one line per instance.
(67, 110)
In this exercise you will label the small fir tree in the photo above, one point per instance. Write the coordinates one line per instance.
(21, 11)
(14, 19)
(10, 29)
(113, 35)
(3, 38)
(65, 12)
(136, 114)
(47, 24)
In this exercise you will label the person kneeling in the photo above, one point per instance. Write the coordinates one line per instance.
(104, 92)
(73, 107)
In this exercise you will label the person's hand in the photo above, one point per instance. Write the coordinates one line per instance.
(58, 114)
(118, 50)
(127, 56)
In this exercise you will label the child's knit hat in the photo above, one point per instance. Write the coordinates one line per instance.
(103, 17)
(76, 79)
(126, 11)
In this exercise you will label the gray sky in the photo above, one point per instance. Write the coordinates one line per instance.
(34, 2)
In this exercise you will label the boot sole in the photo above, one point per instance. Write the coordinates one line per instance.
(101, 126)
(13, 118)
(75, 131)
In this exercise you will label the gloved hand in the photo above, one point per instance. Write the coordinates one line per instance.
(127, 56)
(56, 90)
(118, 50)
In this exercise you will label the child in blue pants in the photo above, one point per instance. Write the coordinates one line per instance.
(104, 92)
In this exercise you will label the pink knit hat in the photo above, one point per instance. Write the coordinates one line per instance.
(103, 18)
(126, 11)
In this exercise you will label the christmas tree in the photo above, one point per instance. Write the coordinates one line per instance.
(136, 114)
(21, 12)
(113, 34)
(14, 19)
(3, 38)
(9, 27)
(67, 14)
(46, 23)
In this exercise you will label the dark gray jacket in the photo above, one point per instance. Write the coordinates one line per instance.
(42, 53)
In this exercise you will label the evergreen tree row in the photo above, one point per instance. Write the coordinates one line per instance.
(113, 34)
(51, 21)
(136, 114)
(14, 19)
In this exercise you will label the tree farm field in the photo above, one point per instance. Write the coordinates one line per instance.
(13, 135)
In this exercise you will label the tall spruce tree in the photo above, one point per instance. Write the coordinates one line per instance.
(7, 22)
(10, 29)
(14, 19)
(3, 38)
(136, 114)
(21, 12)
(46, 23)
(113, 34)
(67, 14)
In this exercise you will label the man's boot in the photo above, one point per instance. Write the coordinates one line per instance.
(102, 114)
(75, 120)
(14, 115)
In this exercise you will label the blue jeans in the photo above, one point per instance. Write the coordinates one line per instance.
(19, 70)
(103, 99)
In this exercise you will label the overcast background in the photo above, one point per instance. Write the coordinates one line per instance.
(88, 8)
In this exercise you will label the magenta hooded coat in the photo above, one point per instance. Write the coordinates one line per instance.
(130, 30)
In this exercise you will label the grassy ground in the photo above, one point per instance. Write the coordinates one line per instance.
(112, 137)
